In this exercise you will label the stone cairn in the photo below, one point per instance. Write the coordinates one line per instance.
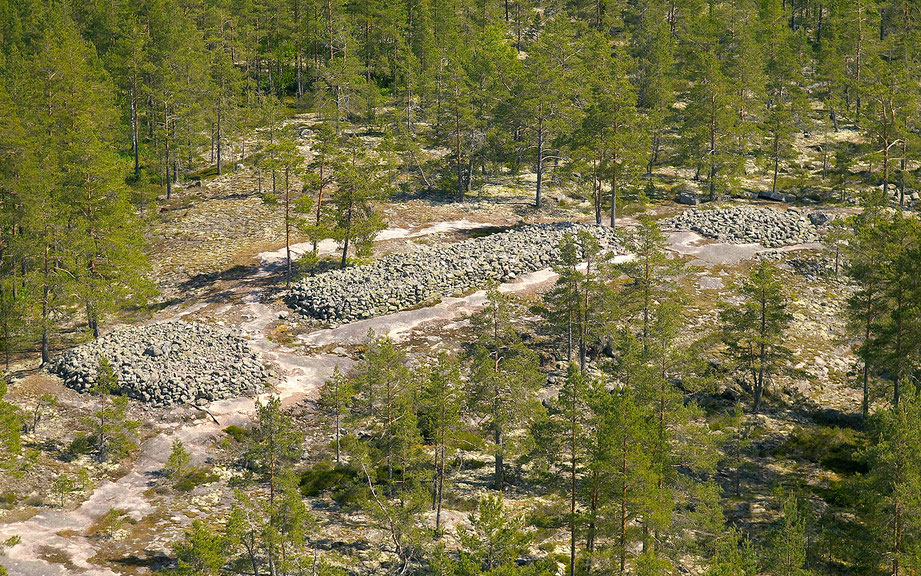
(167, 363)
(400, 281)
(747, 224)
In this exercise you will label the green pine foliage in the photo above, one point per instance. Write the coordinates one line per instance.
(753, 331)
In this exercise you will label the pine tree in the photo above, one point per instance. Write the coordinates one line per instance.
(788, 542)
(10, 429)
(495, 539)
(897, 336)
(709, 121)
(274, 443)
(648, 274)
(440, 420)
(335, 397)
(202, 553)
(361, 180)
(656, 84)
(545, 96)
(385, 404)
(114, 434)
(504, 377)
(318, 179)
(285, 157)
(91, 242)
(785, 102)
(178, 462)
(753, 331)
(611, 125)
(569, 411)
(16, 171)
(867, 305)
(578, 305)
(735, 556)
(896, 481)
(620, 470)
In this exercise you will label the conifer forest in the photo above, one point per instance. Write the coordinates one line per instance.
(460, 287)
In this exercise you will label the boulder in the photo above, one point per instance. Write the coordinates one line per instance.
(819, 218)
(689, 198)
(776, 196)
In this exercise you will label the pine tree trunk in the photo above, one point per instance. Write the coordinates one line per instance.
(457, 151)
(865, 404)
(540, 152)
(614, 190)
(590, 533)
(902, 175)
(623, 508)
(287, 226)
(776, 163)
(441, 487)
(46, 294)
(218, 142)
(858, 55)
(654, 154)
(337, 436)
(572, 490)
(135, 147)
(169, 189)
(499, 473)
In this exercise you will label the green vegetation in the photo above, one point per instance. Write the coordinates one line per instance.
(622, 428)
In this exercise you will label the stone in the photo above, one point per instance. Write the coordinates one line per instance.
(819, 218)
(688, 198)
(776, 196)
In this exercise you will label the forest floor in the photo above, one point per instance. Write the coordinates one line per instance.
(218, 259)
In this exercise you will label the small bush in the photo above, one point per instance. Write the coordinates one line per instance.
(82, 444)
(837, 449)
(7, 499)
(548, 516)
(236, 432)
(196, 477)
(339, 481)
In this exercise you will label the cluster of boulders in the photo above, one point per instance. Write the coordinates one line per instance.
(400, 281)
(167, 363)
(747, 224)
(912, 198)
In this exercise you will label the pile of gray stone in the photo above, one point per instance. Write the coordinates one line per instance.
(400, 281)
(167, 363)
(747, 224)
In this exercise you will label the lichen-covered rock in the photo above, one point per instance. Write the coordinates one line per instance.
(400, 281)
(167, 363)
(747, 224)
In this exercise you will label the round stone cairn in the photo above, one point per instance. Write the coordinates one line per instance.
(747, 224)
(167, 363)
(400, 281)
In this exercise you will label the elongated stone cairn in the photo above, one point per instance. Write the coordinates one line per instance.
(400, 281)
(747, 224)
